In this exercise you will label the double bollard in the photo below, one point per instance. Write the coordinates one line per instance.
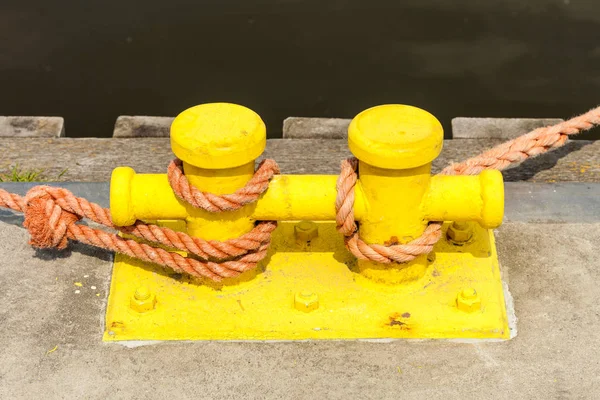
(395, 196)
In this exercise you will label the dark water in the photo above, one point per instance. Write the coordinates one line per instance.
(91, 61)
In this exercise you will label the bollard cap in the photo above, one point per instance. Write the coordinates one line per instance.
(395, 136)
(218, 135)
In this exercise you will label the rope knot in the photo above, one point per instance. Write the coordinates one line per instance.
(46, 221)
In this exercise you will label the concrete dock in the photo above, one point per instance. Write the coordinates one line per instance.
(53, 303)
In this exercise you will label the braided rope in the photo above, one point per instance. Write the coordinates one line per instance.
(224, 202)
(530, 145)
(51, 215)
(344, 202)
(346, 225)
(537, 142)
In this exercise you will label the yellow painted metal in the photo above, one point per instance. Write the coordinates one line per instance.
(310, 286)
(394, 196)
(289, 197)
(395, 136)
(143, 300)
(395, 145)
(224, 225)
(218, 135)
(468, 300)
(311, 197)
(218, 143)
(478, 198)
(297, 197)
(339, 303)
(121, 205)
(305, 231)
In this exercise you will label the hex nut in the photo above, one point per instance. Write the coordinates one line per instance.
(306, 231)
(306, 301)
(143, 300)
(460, 232)
(468, 300)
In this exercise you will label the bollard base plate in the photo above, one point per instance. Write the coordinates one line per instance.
(314, 291)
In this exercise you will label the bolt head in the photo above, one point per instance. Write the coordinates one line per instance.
(306, 301)
(460, 232)
(306, 231)
(143, 300)
(142, 293)
(468, 300)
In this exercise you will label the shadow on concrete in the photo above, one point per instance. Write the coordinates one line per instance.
(91, 251)
(529, 168)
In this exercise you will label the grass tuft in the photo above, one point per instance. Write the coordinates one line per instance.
(16, 174)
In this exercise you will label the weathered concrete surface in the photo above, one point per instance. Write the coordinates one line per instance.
(497, 128)
(315, 128)
(93, 160)
(462, 127)
(552, 272)
(128, 126)
(22, 127)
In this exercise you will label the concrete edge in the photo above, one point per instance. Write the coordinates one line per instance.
(137, 126)
(528, 202)
(497, 128)
(462, 127)
(28, 126)
(315, 128)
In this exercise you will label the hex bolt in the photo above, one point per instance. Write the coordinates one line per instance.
(143, 300)
(306, 231)
(142, 293)
(460, 232)
(306, 301)
(468, 300)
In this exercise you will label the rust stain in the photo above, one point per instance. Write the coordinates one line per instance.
(392, 242)
(395, 320)
(241, 306)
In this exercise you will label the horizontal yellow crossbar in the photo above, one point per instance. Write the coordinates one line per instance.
(309, 197)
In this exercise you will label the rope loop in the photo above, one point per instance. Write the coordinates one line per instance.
(51, 214)
(210, 202)
(536, 142)
(346, 225)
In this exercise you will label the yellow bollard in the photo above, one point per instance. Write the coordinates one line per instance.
(218, 144)
(308, 268)
(395, 198)
(395, 145)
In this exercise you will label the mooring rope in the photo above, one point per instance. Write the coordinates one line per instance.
(532, 144)
(51, 214)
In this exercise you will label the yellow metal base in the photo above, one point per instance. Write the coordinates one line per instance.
(311, 291)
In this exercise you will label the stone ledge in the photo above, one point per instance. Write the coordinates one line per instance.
(41, 127)
(315, 128)
(135, 126)
(92, 159)
(497, 128)
(462, 127)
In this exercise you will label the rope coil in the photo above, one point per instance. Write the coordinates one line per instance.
(51, 214)
(225, 202)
